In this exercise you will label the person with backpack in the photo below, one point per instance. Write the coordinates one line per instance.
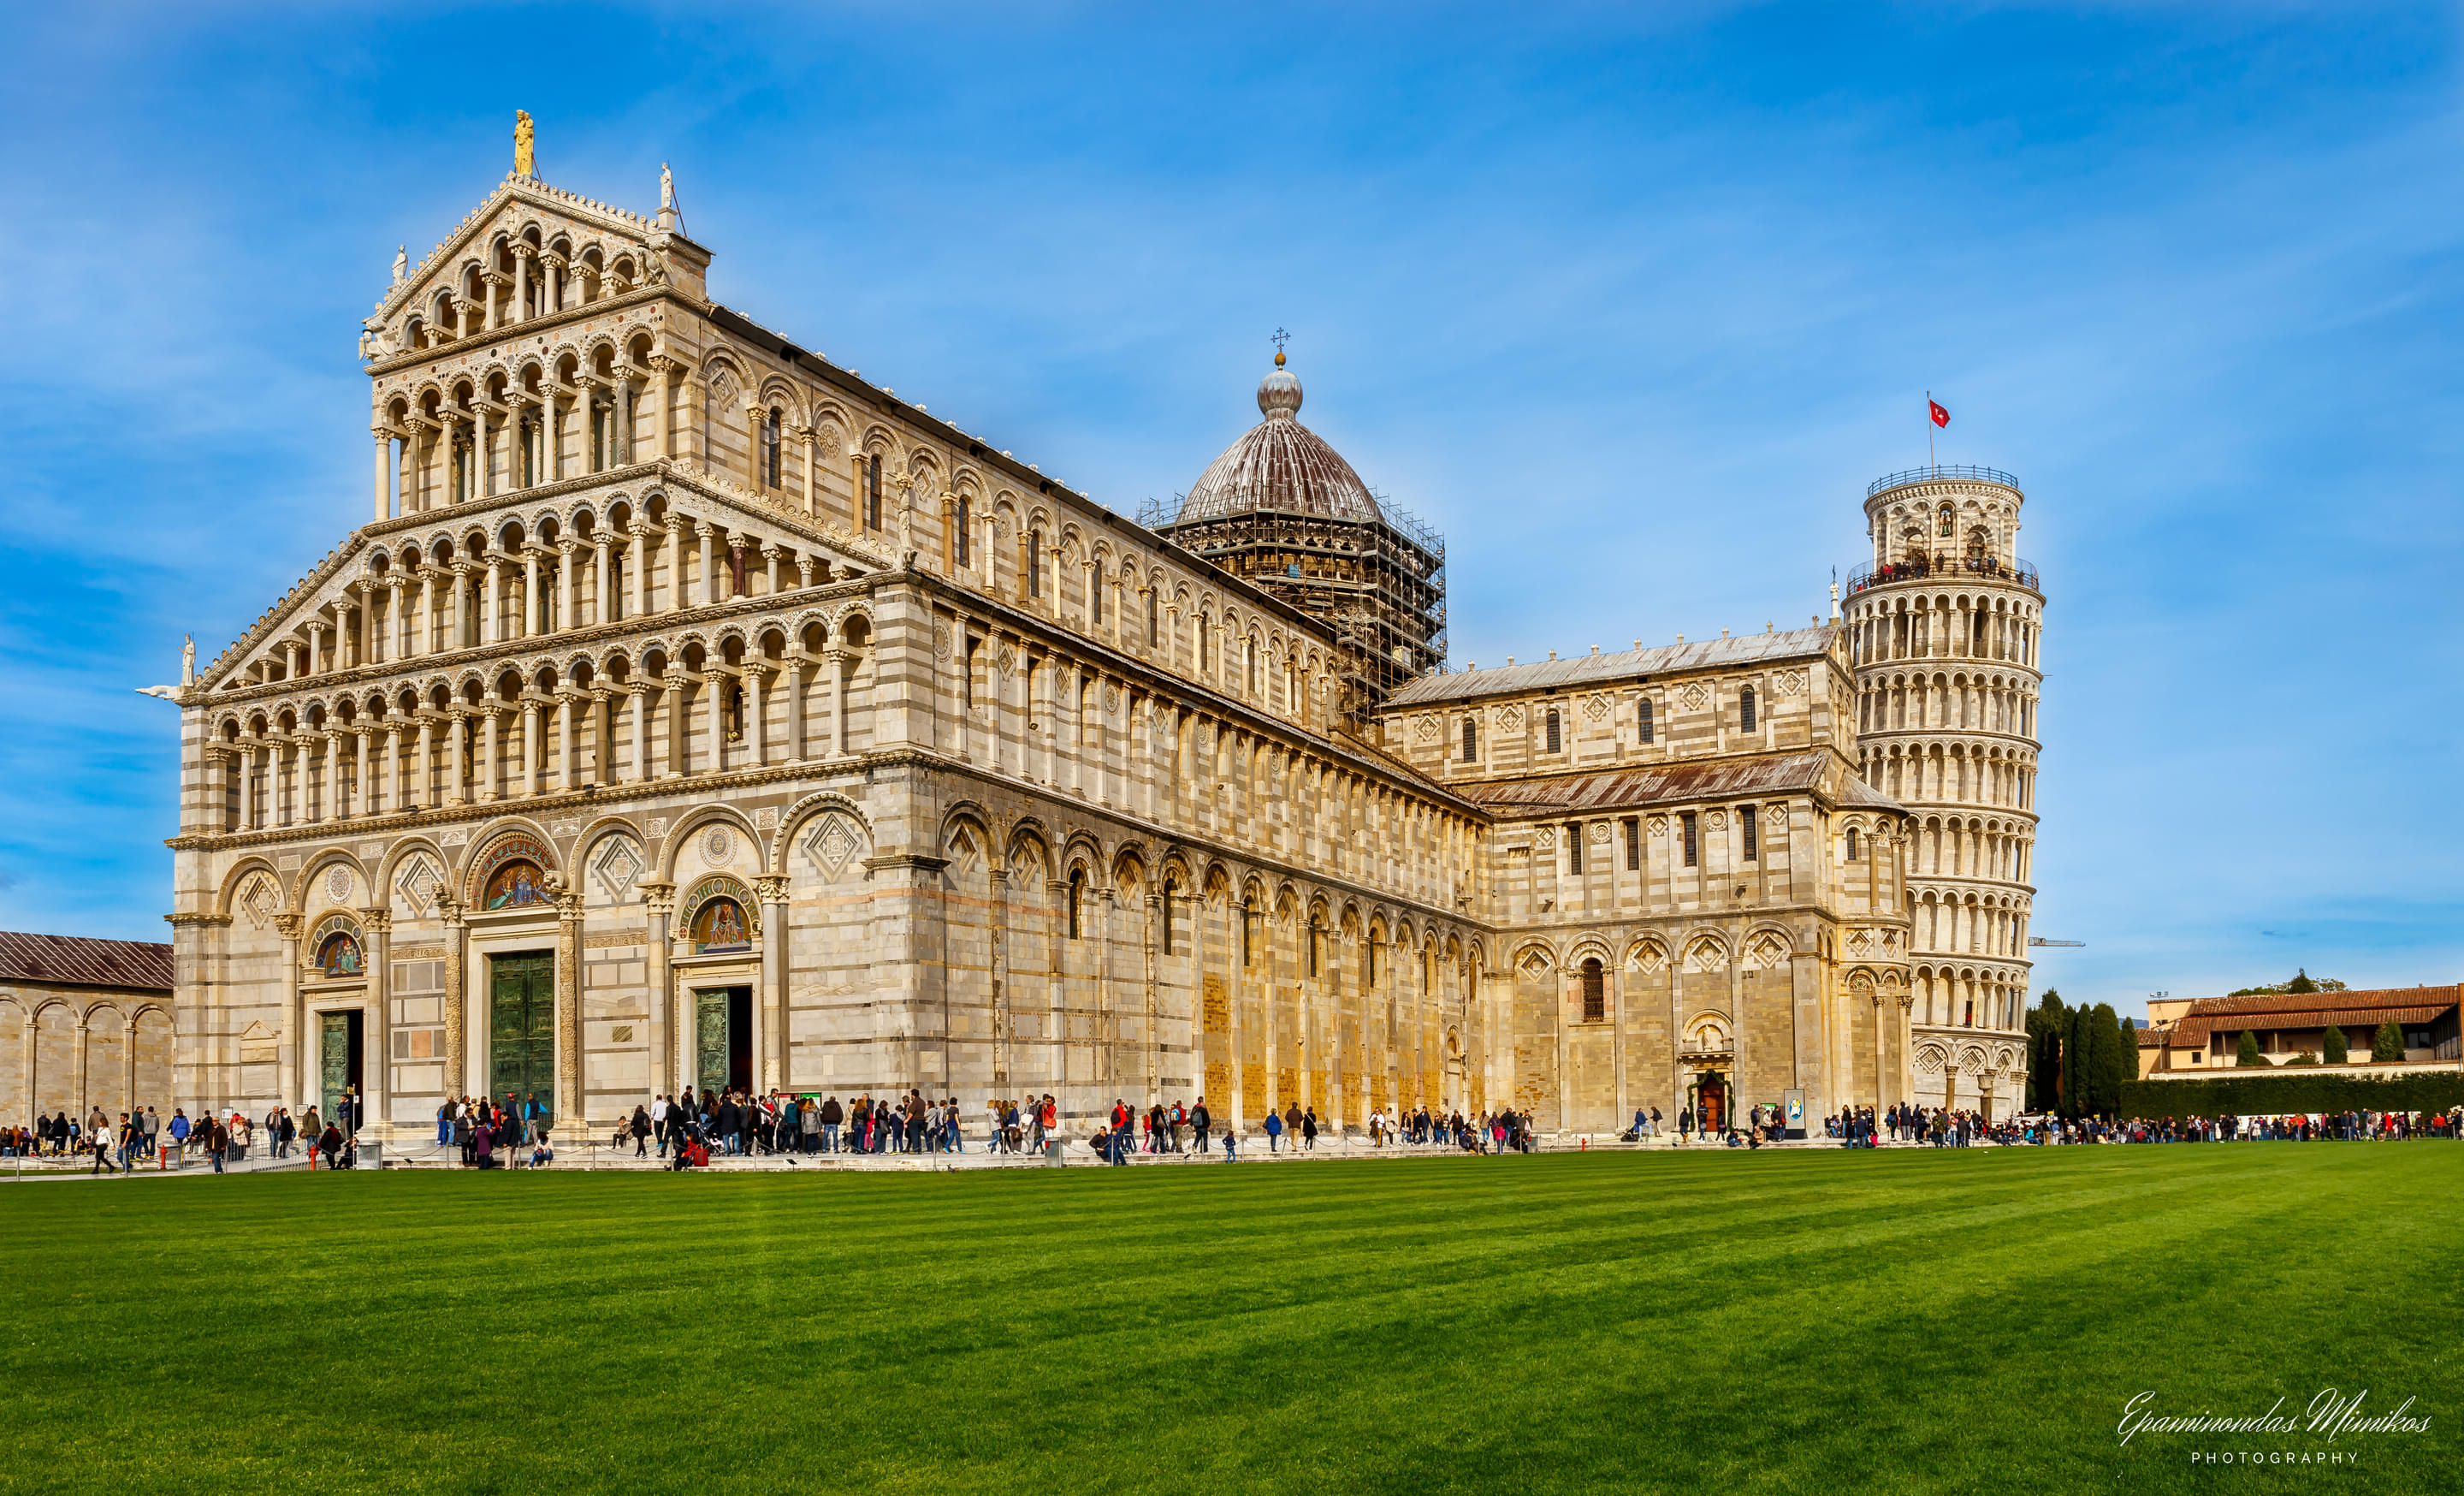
(1199, 1122)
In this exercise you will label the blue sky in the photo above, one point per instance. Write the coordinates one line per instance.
(1631, 303)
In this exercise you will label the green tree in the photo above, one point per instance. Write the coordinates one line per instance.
(2387, 1048)
(2078, 1066)
(2333, 1047)
(2246, 1053)
(2302, 982)
(2104, 1060)
(2046, 1021)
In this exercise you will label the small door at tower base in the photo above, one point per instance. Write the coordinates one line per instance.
(1792, 1112)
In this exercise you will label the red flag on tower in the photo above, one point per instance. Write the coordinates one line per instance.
(1933, 408)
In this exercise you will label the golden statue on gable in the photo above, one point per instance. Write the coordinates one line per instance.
(525, 165)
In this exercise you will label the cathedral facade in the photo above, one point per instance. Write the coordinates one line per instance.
(691, 711)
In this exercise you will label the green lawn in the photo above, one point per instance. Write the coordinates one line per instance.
(1721, 1321)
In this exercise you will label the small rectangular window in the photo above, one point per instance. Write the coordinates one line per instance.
(1035, 563)
(1852, 843)
(1555, 736)
(1745, 820)
(1643, 719)
(1746, 709)
(1154, 626)
(1471, 740)
(873, 492)
(1574, 846)
(1693, 849)
(1095, 593)
(1634, 846)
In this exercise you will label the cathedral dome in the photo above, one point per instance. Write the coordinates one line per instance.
(1279, 464)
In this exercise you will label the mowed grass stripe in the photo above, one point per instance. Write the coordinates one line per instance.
(1937, 1320)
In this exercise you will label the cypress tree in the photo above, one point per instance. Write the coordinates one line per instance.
(2076, 1064)
(2103, 1090)
(2045, 1024)
(2246, 1053)
(2387, 1048)
(2333, 1048)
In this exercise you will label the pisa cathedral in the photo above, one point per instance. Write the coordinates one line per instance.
(691, 711)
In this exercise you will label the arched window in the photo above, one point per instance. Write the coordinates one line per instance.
(1095, 586)
(1169, 888)
(611, 608)
(1976, 561)
(1943, 524)
(769, 447)
(1471, 739)
(1248, 922)
(873, 492)
(1555, 737)
(959, 542)
(1852, 844)
(1205, 644)
(1253, 667)
(1313, 947)
(1077, 895)
(1596, 996)
(1154, 635)
(1746, 709)
(1643, 719)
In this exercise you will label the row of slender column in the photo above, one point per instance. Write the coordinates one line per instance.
(474, 744)
(424, 460)
(430, 611)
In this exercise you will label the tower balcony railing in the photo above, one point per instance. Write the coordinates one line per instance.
(1945, 566)
(1925, 475)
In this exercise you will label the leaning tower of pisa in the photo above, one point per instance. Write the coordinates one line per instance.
(1943, 622)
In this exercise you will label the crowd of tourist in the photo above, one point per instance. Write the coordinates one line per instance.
(690, 1127)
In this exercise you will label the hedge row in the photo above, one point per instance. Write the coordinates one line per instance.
(2261, 1095)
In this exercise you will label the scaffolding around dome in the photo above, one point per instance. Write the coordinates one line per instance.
(1378, 583)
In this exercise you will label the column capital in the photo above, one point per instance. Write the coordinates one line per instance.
(376, 920)
(770, 889)
(659, 898)
(288, 925)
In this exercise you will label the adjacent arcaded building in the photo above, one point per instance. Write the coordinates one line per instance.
(691, 711)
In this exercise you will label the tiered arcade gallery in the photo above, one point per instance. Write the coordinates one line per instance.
(693, 712)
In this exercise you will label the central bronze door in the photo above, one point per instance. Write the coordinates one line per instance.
(723, 1038)
(521, 1028)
